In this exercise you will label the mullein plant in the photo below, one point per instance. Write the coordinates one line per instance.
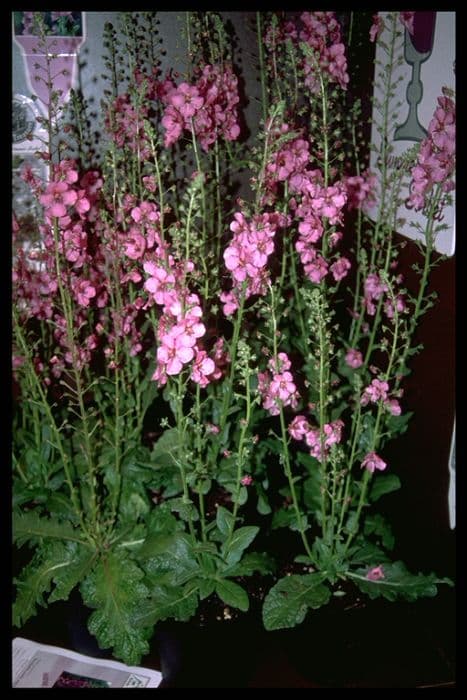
(174, 343)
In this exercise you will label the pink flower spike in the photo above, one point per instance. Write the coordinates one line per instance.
(376, 573)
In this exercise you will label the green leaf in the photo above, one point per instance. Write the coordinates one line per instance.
(224, 520)
(169, 602)
(80, 561)
(186, 511)
(35, 581)
(58, 504)
(263, 506)
(377, 525)
(206, 586)
(287, 517)
(251, 562)
(116, 590)
(161, 521)
(288, 602)
(32, 527)
(396, 425)
(367, 553)
(384, 483)
(232, 594)
(165, 451)
(241, 539)
(398, 583)
(170, 559)
(312, 492)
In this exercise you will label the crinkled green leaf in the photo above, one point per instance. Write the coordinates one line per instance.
(80, 561)
(160, 521)
(116, 590)
(169, 602)
(166, 450)
(36, 578)
(232, 594)
(186, 511)
(384, 483)
(169, 559)
(241, 539)
(398, 583)
(32, 527)
(288, 602)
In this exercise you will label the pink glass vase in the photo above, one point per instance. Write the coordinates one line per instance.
(63, 66)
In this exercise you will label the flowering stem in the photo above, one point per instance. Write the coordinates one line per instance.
(348, 479)
(418, 311)
(117, 450)
(284, 436)
(233, 356)
(218, 202)
(324, 110)
(199, 460)
(66, 301)
(384, 150)
(288, 473)
(240, 460)
(181, 462)
(297, 295)
(381, 408)
(264, 95)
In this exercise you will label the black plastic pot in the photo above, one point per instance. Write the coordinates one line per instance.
(218, 655)
(372, 643)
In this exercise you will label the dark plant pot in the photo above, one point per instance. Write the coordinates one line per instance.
(217, 655)
(374, 643)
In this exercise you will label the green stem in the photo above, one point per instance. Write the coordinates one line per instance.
(264, 97)
(240, 461)
(51, 422)
(67, 311)
(233, 357)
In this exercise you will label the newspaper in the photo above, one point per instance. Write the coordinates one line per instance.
(43, 666)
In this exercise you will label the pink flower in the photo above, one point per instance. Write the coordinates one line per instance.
(354, 358)
(175, 351)
(186, 99)
(376, 28)
(375, 392)
(372, 462)
(203, 366)
(57, 197)
(340, 268)
(393, 406)
(376, 573)
(247, 480)
(299, 427)
(84, 292)
(407, 19)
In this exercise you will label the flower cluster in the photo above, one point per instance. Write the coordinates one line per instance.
(208, 108)
(247, 255)
(436, 158)
(276, 386)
